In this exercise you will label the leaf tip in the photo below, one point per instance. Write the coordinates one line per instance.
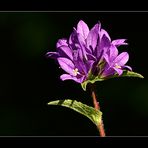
(141, 76)
(50, 103)
(83, 85)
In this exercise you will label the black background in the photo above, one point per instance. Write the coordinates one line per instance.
(28, 81)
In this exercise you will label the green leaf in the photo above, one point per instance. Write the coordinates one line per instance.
(88, 111)
(131, 74)
(97, 78)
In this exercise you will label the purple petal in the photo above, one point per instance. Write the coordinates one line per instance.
(82, 46)
(66, 65)
(103, 32)
(113, 52)
(83, 29)
(65, 51)
(61, 42)
(53, 55)
(93, 37)
(91, 57)
(121, 59)
(119, 42)
(80, 63)
(104, 43)
(73, 37)
(89, 65)
(81, 78)
(100, 56)
(81, 66)
(75, 55)
(127, 67)
(69, 77)
(107, 59)
(99, 52)
(80, 54)
(79, 42)
(107, 71)
(118, 70)
(81, 39)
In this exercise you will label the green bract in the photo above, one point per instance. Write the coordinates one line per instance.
(92, 79)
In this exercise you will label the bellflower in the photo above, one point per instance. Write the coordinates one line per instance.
(87, 56)
(115, 63)
(89, 53)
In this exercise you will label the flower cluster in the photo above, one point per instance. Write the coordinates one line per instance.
(90, 53)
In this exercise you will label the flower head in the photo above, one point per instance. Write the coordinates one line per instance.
(89, 53)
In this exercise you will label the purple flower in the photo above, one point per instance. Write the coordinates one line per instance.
(115, 63)
(89, 53)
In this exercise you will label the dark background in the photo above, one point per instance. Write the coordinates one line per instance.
(28, 81)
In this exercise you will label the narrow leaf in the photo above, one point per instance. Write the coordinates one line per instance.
(131, 74)
(88, 111)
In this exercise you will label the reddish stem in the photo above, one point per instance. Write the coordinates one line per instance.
(97, 107)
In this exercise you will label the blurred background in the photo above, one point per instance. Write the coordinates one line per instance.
(28, 80)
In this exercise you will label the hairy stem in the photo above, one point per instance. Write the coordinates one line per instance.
(97, 107)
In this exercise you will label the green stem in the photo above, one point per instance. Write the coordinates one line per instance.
(97, 107)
